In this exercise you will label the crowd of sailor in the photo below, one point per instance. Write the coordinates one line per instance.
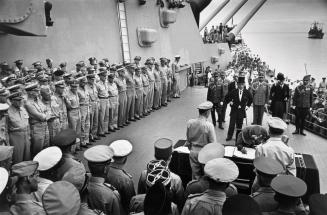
(216, 34)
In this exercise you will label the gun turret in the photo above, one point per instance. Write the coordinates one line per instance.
(233, 12)
(213, 14)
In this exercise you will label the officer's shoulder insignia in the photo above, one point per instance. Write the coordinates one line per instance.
(110, 186)
(255, 194)
(194, 195)
(126, 173)
(192, 182)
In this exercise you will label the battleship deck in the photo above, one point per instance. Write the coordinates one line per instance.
(170, 122)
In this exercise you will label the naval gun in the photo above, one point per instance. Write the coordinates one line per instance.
(233, 33)
(213, 14)
(233, 12)
(25, 18)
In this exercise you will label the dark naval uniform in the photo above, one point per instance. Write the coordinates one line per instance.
(302, 100)
(264, 196)
(216, 96)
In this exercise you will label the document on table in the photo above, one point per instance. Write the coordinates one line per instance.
(182, 149)
(232, 151)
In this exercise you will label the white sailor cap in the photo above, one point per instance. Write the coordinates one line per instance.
(3, 178)
(205, 105)
(276, 122)
(48, 158)
(121, 148)
(177, 56)
(221, 170)
(4, 106)
(99, 154)
(211, 151)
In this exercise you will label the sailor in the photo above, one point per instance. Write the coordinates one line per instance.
(149, 72)
(94, 104)
(25, 175)
(225, 82)
(48, 158)
(139, 94)
(260, 91)
(49, 63)
(121, 85)
(130, 92)
(163, 70)
(208, 153)
(117, 176)
(101, 196)
(149, 202)
(251, 136)
(137, 60)
(279, 95)
(61, 197)
(113, 100)
(73, 109)
(240, 204)
(68, 164)
(146, 89)
(84, 102)
(220, 172)
(60, 100)
(176, 78)
(302, 103)
(288, 191)
(266, 170)
(18, 68)
(157, 87)
(38, 66)
(240, 101)
(276, 148)
(37, 118)
(52, 110)
(4, 137)
(215, 95)
(162, 153)
(199, 133)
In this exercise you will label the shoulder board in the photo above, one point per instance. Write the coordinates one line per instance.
(255, 194)
(110, 186)
(192, 182)
(126, 173)
(194, 195)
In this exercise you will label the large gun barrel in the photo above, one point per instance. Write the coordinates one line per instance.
(233, 12)
(232, 34)
(213, 14)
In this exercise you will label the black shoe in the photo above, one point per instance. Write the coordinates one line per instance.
(92, 140)
(296, 132)
(223, 121)
(89, 144)
(302, 133)
(96, 138)
(117, 129)
(107, 132)
(84, 146)
(221, 127)
(169, 100)
(132, 120)
(228, 138)
(164, 104)
(137, 118)
(112, 130)
(121, 126)
(102, 135)
(127, 122)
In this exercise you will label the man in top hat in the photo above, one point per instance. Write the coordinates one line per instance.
(60, 101)
(220, 172)
(113, 100)
(4, 137)
(240, 204)
(288, 191)
(251, 136)
(139, 94)
(73, 109)
(260, 91)
(240, 100)
(93, 61)
(279, 95)
(101, 196)
(199, 132)
(19, 128)
(276, 148)
(84, 102)
(149, 71)
(137, 60)
(208, 152)
(38, 118)
(94, 104)
(266, 170)
(162, 152)
(130, 92)
(122, 95)
(302, 101)
(215, 95)
(25, 175)
(163, 70)
(117, 176)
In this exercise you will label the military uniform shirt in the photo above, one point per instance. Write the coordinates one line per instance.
(163, 73)
(303, 96)
(121, 84)
(36, 110)
(72, 100)
(93, 92)
(17, 119)
(113, 90)
(260, 92)
(84, 97)
(150, 75)
(145, 80)
(130, 84)
(102, 88)
(138, 82)
(25, 205)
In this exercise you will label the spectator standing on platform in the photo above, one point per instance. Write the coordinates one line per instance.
(302, 100)
(323, 84)
(199, 133)
(279, 95)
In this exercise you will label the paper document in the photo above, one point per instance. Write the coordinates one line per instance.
(232, 151)
(182, 149)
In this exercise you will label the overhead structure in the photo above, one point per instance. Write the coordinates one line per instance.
(213, 14)
(232, 34)
(197, 6)
(233, 12)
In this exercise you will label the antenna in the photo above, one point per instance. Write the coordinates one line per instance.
(305, 67)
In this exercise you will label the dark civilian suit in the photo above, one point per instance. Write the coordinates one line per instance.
(237, 113)
(231, 86)
(278, 94)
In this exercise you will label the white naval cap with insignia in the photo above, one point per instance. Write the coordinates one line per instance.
(99, 154)
(121, 148)
(276, 122)
(3, 178)
(205, 105)
(4, 107)
(221, 170)
(48, 158)
(211, 151)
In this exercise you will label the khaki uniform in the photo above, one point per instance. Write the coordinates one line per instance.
(164, 83)
(63, 118)
(146, 87)
(19, 134)
(139, 96)
(4, 137)
(94, 109)
(260, 92)
(114, 105)
(26, 205)
(84, 102)
(130, 85)
(169, 83)
(157, 89)
(121, 85)
(74, 114)
(52, 109)
(151, 88)
(176, 79)
(38, 124)
(104, 107)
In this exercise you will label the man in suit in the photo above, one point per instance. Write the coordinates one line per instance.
(279, 95)
(231, 86)
(240, 100)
